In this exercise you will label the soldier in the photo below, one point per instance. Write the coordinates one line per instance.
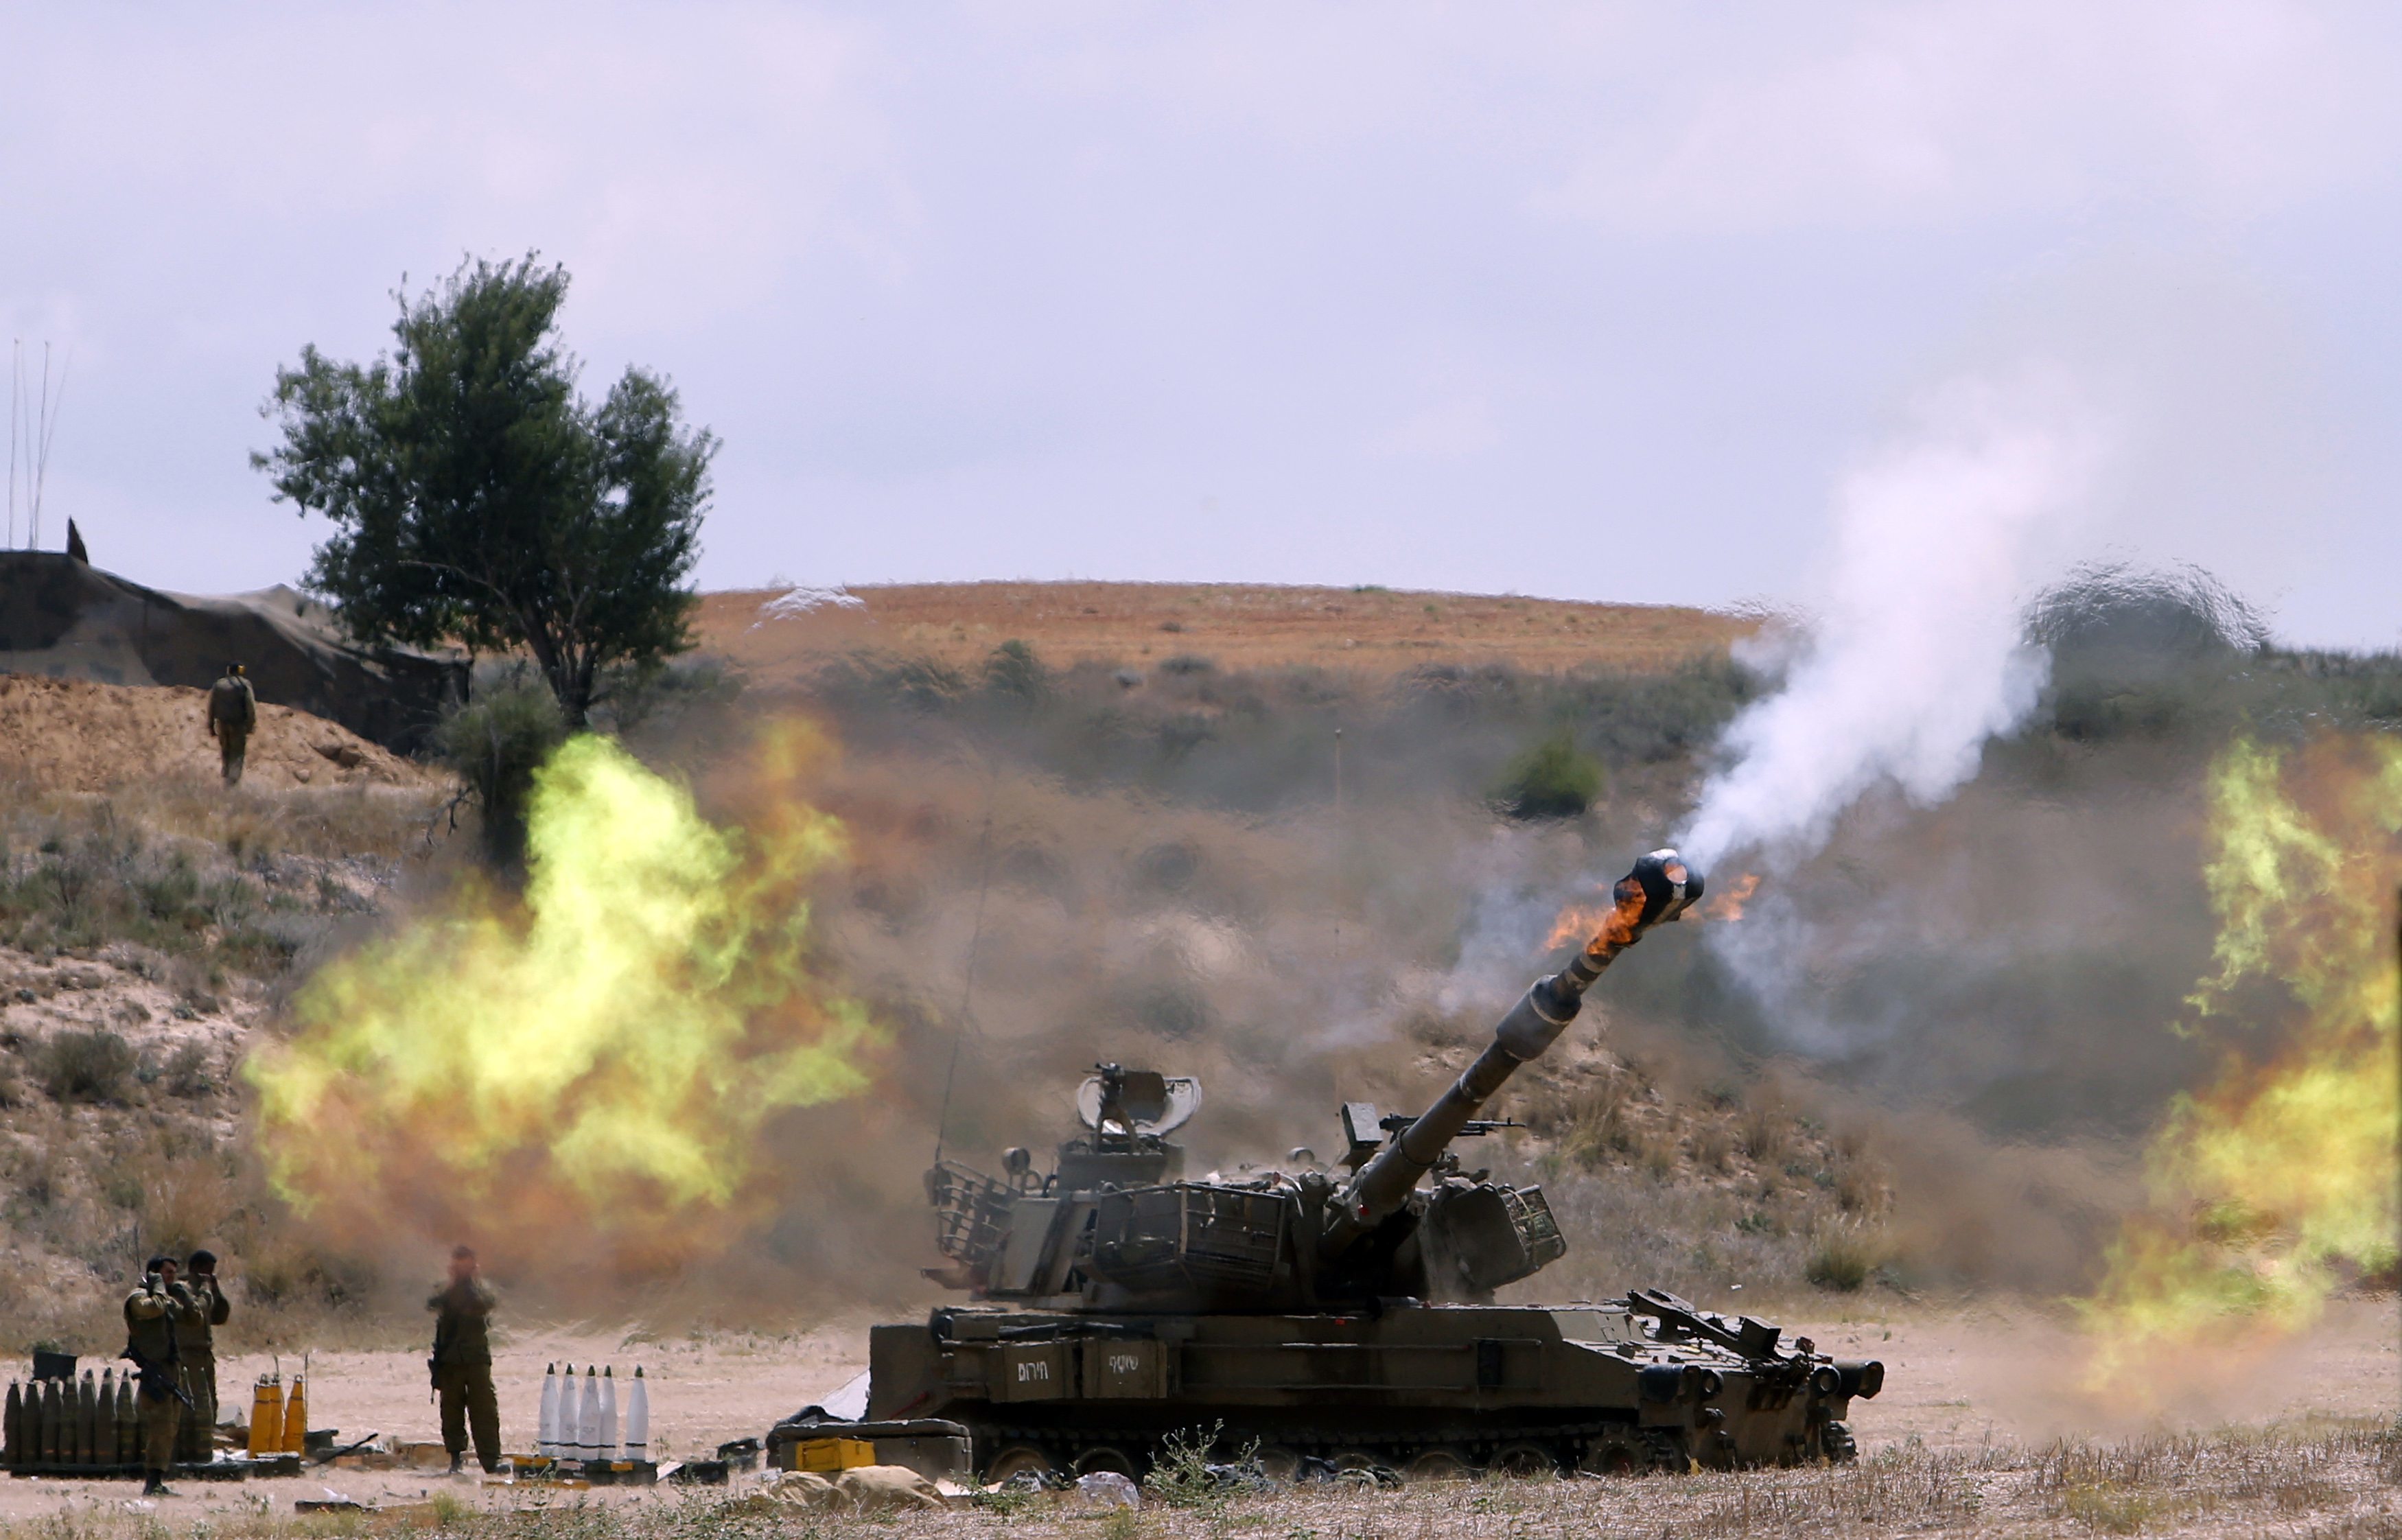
(233, 712)
(462, 1363)
(155, 1314)
(196, 1346)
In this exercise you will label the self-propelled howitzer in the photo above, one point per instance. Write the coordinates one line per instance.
(1344, 1315)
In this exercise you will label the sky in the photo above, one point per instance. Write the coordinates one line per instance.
(1593, 300)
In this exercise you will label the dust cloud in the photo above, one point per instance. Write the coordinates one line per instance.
(1039, 870)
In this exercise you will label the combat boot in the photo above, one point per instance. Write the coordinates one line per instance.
(156, 1486)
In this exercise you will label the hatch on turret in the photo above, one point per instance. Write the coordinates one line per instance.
(1136, 1102)
(1130, 1112)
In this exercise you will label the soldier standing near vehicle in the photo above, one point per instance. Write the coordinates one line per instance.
(196, 1347)
(155, 1313)
(462, 1363)
(233, 712)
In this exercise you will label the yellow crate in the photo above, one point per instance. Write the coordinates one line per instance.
(833, 1453)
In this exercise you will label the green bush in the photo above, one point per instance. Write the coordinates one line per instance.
(1181, 1477)
(92, 1064)
(1013, 669)
(1551, 779)
(496, 742)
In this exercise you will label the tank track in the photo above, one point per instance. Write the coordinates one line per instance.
(1571, 1446)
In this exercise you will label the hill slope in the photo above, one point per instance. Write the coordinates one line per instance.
(1239, 626)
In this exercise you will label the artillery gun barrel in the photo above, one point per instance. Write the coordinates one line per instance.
(1660, 888)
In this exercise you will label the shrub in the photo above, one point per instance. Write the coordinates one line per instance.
(496, 743)
(187, 1071)
(924, 684)
(1767, 1129)
(1842, 1260)
(1551, 779)
(1013, 669)
(1183, 1477)
(86, 1066)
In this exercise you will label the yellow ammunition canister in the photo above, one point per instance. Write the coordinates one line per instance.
(266, 1419)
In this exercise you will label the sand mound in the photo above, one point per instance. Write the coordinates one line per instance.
(77, 736)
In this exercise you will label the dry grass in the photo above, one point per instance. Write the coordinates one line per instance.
(236, 883)
(1233, 626)
(2329, 1481)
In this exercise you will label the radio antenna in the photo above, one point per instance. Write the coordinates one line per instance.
(16, 412)
(975, 938)
(47, 433)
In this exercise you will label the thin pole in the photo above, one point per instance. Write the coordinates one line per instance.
(966, 979)
(41, 421)
(50, 429)
(51, 412)
(16, 375)
(1338, 772)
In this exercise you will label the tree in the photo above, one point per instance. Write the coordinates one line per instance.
(477, 498)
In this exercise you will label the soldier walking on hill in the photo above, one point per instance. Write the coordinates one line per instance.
(462, 1363)
(233, 712)
(155, 1313)
(196, 1347)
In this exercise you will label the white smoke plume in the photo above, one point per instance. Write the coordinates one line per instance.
(1916, 652)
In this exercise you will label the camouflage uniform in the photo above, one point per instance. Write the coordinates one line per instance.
(462, 1369)
(233, 713)
(196, 1347)
(155, 1315)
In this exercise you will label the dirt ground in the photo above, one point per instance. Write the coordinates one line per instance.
(1960, 1380)
(72, 734)
(1368, 630)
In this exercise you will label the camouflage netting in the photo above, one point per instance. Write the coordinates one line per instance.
(65, 619)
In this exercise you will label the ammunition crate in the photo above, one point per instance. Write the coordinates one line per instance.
(825, 1454)
(935, 1449)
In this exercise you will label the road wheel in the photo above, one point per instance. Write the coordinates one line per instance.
(1278, 1462)
(1522, 1461)
(1109, 1458)
(1440, 1463)
(1016, 1459)
(1835, 1441)
(1616, 1457)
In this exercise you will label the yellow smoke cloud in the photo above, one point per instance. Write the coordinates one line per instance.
(595, 1061)
(2276, 1183)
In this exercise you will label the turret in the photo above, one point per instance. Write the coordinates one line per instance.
(1117, 1227)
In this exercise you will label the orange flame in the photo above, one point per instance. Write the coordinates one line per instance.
(1616, 931)
(1576, 922)
(1729, 904)
(1590, 917)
